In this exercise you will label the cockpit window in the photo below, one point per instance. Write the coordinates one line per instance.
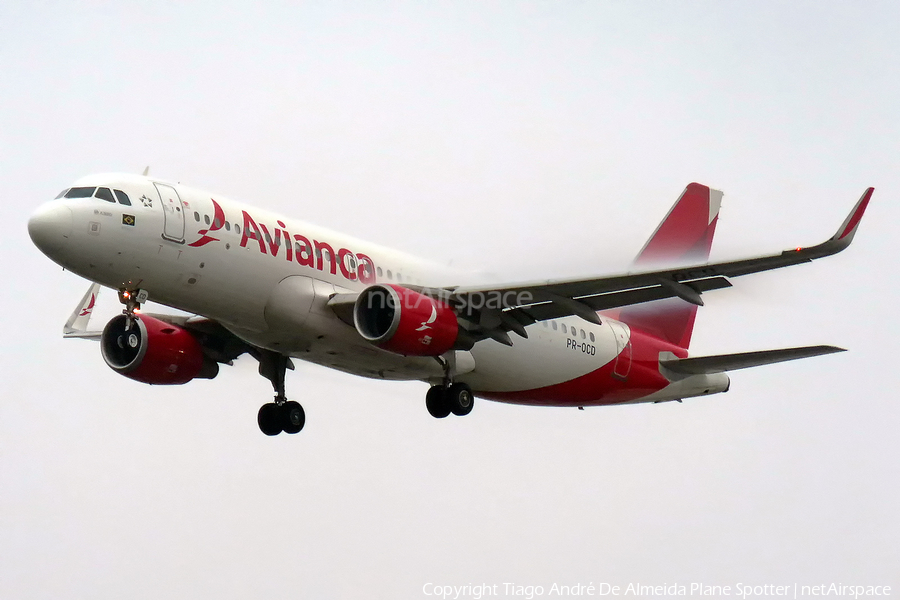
(62, 193)
(82, 192)
(123, 197)
(105, 194)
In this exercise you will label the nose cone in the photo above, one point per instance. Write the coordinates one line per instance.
(50, 227)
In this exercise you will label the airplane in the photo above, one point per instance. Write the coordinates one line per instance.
(259, 283)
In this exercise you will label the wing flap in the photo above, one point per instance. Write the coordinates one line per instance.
(609, 300)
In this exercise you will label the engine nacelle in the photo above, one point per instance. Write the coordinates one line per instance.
(400, 320)
(153, 351)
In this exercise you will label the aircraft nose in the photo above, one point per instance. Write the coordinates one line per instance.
(50, 227)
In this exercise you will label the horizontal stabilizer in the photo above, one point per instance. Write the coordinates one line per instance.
(730, 362)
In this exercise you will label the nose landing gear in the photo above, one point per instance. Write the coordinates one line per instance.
(282, 414)
(132, 299)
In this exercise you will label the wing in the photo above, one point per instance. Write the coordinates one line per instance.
(217, 342)
(493, 311)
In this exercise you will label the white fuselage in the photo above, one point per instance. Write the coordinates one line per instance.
(268, 278)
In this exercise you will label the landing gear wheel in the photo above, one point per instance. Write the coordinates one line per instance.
(460, 399)
(436, 402)
(281, 415)
(270, 419)
(293, 417)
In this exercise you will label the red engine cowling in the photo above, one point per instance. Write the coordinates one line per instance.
(153, 351)
(403, 321)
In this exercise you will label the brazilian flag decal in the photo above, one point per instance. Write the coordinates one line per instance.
(128, 220)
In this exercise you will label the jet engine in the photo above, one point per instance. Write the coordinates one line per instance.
(153, 351)
(400, 320)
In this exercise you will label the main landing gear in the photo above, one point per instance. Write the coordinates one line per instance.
(457, 398)
(449, 397)
(282, 414)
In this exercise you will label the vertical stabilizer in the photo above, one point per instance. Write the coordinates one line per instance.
(683, 238)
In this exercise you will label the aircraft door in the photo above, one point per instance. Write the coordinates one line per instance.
(173, 213)
(622, 365)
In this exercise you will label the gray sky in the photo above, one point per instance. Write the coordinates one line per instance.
(524, 139)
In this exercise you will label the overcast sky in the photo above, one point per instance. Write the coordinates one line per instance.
(522, 139)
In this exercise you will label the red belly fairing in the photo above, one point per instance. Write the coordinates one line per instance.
(603, 386)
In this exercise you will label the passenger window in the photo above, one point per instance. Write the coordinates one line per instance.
(123, 197)
(218, 224)
(105, 194)
(82, 192)
(206, 219)
(227, 226)
(61, 194)
(380, 272)
(563, 328)
(399, 278)
(554, 325)
(196, 216)
(583, 334)
(592, 337)
(390, 275)
(237, 228)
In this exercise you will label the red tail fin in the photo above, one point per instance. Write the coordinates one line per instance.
(684, 237)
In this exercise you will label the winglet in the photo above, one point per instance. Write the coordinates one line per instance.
(848, 228)
(842, 237)
(76, 326)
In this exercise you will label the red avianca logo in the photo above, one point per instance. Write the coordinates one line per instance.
(217, 223)
(87, 309)
(309, 253)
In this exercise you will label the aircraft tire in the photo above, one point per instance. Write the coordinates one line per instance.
(294, 417)
(270, 419)
(436, 402)
(460, 399)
